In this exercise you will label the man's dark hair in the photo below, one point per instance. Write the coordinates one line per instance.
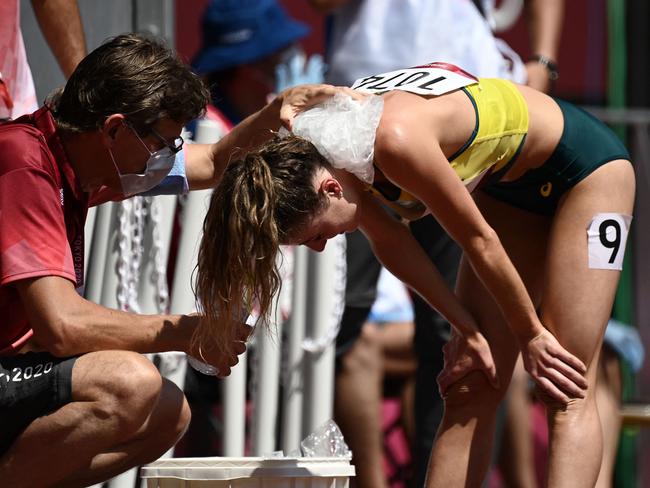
(131, 75)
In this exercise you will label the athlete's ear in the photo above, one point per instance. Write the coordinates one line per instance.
(331, 186)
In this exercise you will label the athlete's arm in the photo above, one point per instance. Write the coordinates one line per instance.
(65, 324)
(408, 155)
(397, 249)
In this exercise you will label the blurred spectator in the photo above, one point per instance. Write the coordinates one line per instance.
(373, 36)
(392, 317)
(61, 26)
(243, 43)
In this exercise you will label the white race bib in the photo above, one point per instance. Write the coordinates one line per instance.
(431, 79)
(607, 235)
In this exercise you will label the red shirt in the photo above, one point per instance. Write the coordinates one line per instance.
(42, 216)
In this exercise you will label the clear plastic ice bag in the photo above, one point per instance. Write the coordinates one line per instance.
(326, 441)
(343, 130)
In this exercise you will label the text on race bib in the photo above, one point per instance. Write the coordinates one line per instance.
(432, 79)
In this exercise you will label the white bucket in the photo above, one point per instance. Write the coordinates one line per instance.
(248, 472)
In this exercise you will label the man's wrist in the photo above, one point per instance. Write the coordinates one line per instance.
(549, 64)
(179, 332)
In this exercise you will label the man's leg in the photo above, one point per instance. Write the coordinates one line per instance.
(122, 414)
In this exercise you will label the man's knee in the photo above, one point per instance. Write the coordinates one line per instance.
(474, 391)
(167, 424)
(125, 387)
(139, 378)
(174, 411)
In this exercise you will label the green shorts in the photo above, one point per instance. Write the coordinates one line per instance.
(585, 145)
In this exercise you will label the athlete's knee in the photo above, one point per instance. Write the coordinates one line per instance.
(574, 407)
(474, 391)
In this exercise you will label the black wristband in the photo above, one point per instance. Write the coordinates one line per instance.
(549, 64)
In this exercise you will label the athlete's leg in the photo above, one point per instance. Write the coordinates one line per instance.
(462, 451)
(431, 333)
(122, 414)
(576, 305)
(608, 399)
(516, 457)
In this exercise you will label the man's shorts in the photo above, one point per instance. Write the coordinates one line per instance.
(585, 145)
(31, 385)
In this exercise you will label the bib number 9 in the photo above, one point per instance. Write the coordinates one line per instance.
(607, 236)
(615, 242)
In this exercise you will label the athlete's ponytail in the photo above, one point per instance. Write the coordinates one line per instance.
(258, 205)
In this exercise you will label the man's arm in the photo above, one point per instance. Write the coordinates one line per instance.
(544, 19)
(65, 324)
(205, 163)
(61, 25)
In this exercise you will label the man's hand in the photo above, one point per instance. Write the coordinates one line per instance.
(223, 361)
(302, 97)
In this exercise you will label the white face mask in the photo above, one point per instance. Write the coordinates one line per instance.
(157, 168)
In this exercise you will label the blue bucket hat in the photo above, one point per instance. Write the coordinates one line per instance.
(237, 32)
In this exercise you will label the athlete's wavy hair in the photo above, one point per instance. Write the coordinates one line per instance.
(261, 201)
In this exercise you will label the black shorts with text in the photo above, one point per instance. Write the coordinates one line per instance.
(31, 385)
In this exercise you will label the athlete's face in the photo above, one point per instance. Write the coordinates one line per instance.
(337, 216)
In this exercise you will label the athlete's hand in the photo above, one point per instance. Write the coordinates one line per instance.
(464, 355)
(302, 97)
(557, 372)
